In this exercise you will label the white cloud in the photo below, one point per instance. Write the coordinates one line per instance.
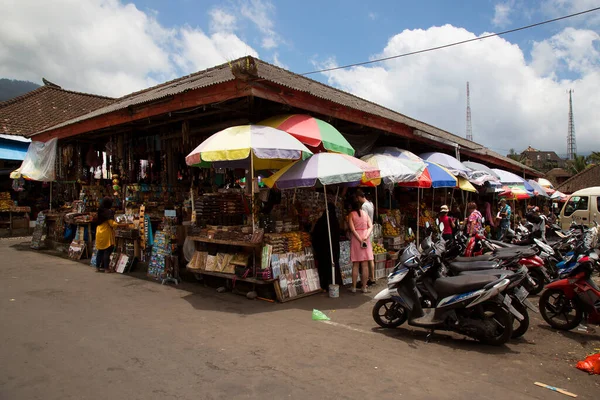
(502, 13)
(514, 103)
(200, 51)
(261, 13)
(559, 8)
(106, 46)
(372, 16)
(278, 62)
(222, 21)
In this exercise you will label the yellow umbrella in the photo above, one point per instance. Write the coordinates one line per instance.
(464, 184)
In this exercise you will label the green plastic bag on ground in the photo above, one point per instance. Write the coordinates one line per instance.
(319, 316)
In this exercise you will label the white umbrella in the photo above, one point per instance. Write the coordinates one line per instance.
(452, 164)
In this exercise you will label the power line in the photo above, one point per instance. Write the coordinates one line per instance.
(452, 44)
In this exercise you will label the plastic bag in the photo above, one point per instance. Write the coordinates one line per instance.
(591, 364)
(39, 162)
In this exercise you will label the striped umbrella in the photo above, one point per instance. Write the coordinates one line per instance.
(313, 132)
(271, 148)
(323, 169)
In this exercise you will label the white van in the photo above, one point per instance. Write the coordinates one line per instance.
(583, 207)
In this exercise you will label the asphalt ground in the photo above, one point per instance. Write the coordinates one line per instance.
(70, 333)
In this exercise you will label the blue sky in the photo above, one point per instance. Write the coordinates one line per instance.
(518, 82)
(353, 30)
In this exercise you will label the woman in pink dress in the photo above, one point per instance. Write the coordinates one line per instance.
(361, 249)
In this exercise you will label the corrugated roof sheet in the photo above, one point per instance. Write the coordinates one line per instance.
(274, 74)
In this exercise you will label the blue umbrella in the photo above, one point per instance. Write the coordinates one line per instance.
(440, 176)
(538, 189)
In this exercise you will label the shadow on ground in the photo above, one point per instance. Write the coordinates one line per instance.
(203, 294)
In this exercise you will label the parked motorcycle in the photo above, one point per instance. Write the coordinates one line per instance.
(476, 306)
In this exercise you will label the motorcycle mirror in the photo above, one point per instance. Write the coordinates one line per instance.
(427, 224)
(410, 232)
(483, 220)
(437, 220)
(441, 226)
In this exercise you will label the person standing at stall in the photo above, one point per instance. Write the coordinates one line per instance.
(361, 249)
(448, 223)
(320, 243)
(474, 220)
(504, 215)
(105, 235)
(369, 209)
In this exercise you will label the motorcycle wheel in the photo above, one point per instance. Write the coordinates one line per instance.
(389, 313)
(539, 279)
(504, 324)
(554, 304)
(520, 327)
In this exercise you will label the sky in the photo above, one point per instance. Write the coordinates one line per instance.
(518, 82)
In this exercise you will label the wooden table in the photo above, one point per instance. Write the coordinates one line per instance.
(10, 219)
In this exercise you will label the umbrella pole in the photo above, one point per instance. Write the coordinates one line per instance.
(252, 188)
(418, 215)
(50, 195)
(433, 200)
(329, 234)
(376, 202)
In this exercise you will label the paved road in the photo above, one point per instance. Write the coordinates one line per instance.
(70, 333)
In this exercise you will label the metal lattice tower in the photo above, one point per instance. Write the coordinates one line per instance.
(571, 144)
(469, 126)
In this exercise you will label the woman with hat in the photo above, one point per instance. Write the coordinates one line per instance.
(448, 223)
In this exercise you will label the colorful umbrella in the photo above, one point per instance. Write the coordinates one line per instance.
(448, 162)
(397, 152)
(271, 148)
(479, 178)
(515, 193)
(435, 176)
(312, 132)
(537, 189)
(559, 196)
(545, 183)
(510, 179)
(464, 184)
(323, 169)
(395, 169)
(475, 166)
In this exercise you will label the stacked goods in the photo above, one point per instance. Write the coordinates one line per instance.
(6, 202)
(279, 242)
(294, 242)
(378, 249)
(426, 217)
(306, 239)
(219, 209)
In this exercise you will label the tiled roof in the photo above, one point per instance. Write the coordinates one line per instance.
(44, 107)
(587, 178)
(223, 73)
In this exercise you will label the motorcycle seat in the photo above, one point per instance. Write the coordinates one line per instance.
(502, 245)
(510, 252)
(472, 266)
(484, 257)
(461, 284)
(494, 272)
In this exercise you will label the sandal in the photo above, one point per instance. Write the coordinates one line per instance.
(365, 290)
(352, 290)
(99, 269)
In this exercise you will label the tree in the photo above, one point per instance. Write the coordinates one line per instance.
(514, 155)
(594, 158)
(577, 164)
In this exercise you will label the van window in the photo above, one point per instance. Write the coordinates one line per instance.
(576, 203)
